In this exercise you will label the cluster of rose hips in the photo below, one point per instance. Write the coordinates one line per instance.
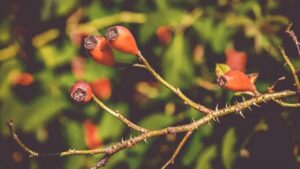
(100, 50)
(120, 38)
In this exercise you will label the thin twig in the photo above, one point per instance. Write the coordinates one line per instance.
(285, 104)
(177, 91)
(178, 149)
(169, 130)
(271, 89)
(31, 153)
(291, 67)
(293, 36)
(139, 66)
(102, 162)
(119, 116)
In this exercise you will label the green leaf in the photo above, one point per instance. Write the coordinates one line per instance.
(110, 126)
(193, 149)
(11, 109)
(74, 162)
(228, 153)
(41, 111)
(156, 121)
(73, 132)
(222, 34)
(94, 71)
(205, 158)
(5, 27)
(159, 18)
(63, 7)
(218, 35)
(96, 10)
(221, 69)
(177, 65)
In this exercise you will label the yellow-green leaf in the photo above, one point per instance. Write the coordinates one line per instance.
(221, 69)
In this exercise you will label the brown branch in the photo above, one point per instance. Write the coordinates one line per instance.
(114, 148)
(119, 116)
(291, 67)
(102, 162)
(178, 149)
(31, 153)
(292, 34)
(177, 91)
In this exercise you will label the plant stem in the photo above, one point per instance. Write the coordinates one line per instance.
(177, 91)
(291, 67)
(179, 147)
(169, 130)
(119, 116)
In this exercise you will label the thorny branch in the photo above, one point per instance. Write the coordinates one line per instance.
(210, 115)
(114, 148)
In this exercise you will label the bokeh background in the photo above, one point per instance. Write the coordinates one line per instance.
(41, 56)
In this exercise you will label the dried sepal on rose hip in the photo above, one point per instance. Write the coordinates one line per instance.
(121, 39)
(235, 80)
(81, 92)
(99, 50)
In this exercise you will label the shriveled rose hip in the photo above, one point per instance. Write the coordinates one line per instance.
(81, 92)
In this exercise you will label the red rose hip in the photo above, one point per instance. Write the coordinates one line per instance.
(91, 136)
(237, 81)
(99, 49)
(81, 92)
(101, 88)
(121, 39)
(164, 34)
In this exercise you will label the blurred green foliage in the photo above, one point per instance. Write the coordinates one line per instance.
(48, 51)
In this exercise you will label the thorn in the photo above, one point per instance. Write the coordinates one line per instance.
(218, 120)
(145, 140)
(243, 98)
(122, 140)
(256, 104)
(241, 113)
(214, 118)
(217, 108)
(226, 105)
(282, 78)
(250, 108)
(193, 120)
